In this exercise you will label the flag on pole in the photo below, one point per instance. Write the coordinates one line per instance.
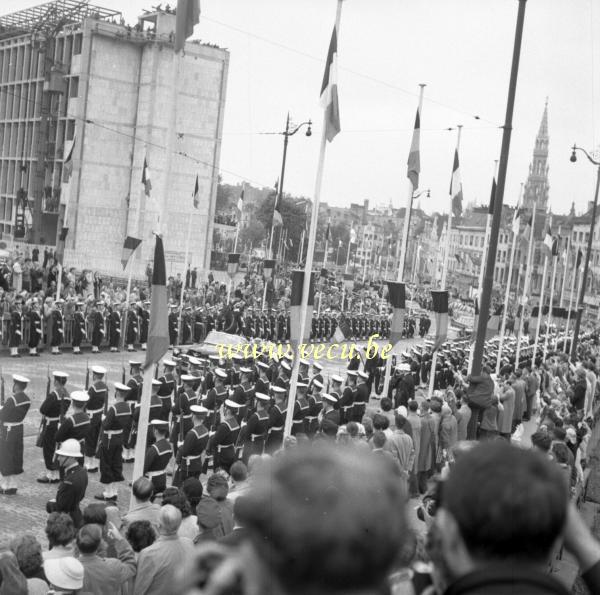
(456, 187)
(527, 230)
(397, 297)
(548, 240)
(146, 178)
(277, 218)
(328, 232)
(458, 258)
(158, 330)
(516, 224)
(474, 258)
(289, 243)
(196, 195)
(129, 246)
(329, 93)
(492, 197)
(187, 16)
(296, 307)
(240, 204)
(579, 259)
(60, 246)
(343, 331)
(555, 246)
(440, 313)
(494, 322)
(68, 163)
(414, 158)
(352, 235)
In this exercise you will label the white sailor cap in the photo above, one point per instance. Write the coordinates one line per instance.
(405, 354)
(99, 370)
(198, 409)
(21, 379)
(352, 373)
(159, 423)
(262, 397)
(285, 365)
(134, 364)
(121, 387)
(232, 404)
(220, 373)
(58, 374)
(245, 370)
(214, 358)
(317, 365)
(188, 378)
(278, 390)
(317, 384)
(169, 363)
(80, 396)
(237, 357)
(301, 385)
(363, 375)
(263, 365)
(304, 362)
(336, 378)
(331, 398)
(403, 368)
(156, 382)
(288, 356)
(194, 361)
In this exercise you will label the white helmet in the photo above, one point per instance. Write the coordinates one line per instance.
(70, 448)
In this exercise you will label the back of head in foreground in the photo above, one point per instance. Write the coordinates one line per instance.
(500, 505)
(321, 520)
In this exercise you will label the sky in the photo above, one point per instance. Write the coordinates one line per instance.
(461, 49)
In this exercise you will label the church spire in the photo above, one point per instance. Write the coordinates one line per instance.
(536, 187)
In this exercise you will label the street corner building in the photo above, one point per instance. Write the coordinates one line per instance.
(86, 101)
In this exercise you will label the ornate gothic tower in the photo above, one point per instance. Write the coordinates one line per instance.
(536, 187)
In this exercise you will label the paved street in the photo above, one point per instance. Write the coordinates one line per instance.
(27, 510)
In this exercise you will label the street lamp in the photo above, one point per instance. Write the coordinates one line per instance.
(586, 266)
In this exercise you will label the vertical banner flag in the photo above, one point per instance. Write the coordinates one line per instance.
(555, 246)
(440, 313)
(68, 163)
(527, 230)
(196, 195)
(414, 158)
(579, 259)
(277, 218)
(146, 178)
(494, 321)
(516, 225)
(329, 93)
(349, 281)
(295, 307)
(158, 330)
(397, 297)
(343, 331)
(129, 246)
(268, 266)
(456, 187)
(352, 235)
(492, 197)
(328, 232)
(233, 263)
(187, 16)
(60, 246)
(475, 318)
(240, 204)
(548, 240)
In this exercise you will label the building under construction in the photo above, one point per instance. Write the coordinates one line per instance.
(84, 100)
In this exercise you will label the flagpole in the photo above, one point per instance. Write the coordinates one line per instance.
(513, 249)
(564, 272)
(409, 199)
(324, 265)
(309, 257)
(526, 284)
(540, 310)
(549, 317)
(573, 280)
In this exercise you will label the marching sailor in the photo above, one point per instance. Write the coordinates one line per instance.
(96, 406)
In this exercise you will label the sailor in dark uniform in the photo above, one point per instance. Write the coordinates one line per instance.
(52, 409)
(118, 417)
(346, 402)
(173, 325)
(182, 415)
(12, 414)
(158, 456)
(283, 378)
(131, 332)
(329, 416)
(303, 371)
(144, 318)
(317, 375)
(361, 397)
(335, 388)
(165, 392)
(209, 380)
(35, 327)
(155, 410)
(76, 425)
(243, 393)
(189, 456)
(315, 404)
(222, 444)
(79, 330)
(135, 384)
(262, 385)
(71, 490)
(114, 328)
(254, 432)
(301, 408)
(276, 420)
(98, 327)
(215, 398)
(16, 329)
(96, 406)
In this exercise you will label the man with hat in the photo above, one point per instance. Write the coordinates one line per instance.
(65, 575)
(276, 420)
(361, 397)
(96, 406)
(189, 456)
(76, 425)
(114, 328)
(336, 387)
(155, 412)
(346, 401)
(144, 318)
(53, 410)
(131, 331)
(97, 327)
(16, 328)
(303, 371)
(223, 442)
(254, 433)
(329, 416)
(315, 404)
(173, 325)
(79, 330)
(182, 415)
(167, 386)
(234, 372)
(57, 326)
(317, 375)
(118, 417)
(195, 369)
(262, 384)
(71, 490)
(283, 377)
(243, 393)
(135, 384)
(35, 327)
(215, 398)
(209, 378)
(12, 414)
(158, 456)
(300, 409)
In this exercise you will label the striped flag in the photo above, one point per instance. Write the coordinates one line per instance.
(343, 332)
(579, 259)
(240, 204)
(555, 246)
(129, 246)
(68, 163)
(527, 230)
(295, 307)
(233, 263)
(548, 239)
(187, 16)
(146, 178)
(456, 187)
(414, 158)
(329, 93)
(397, 297)
(516, 224)
(352, 235)
(277, 218)
(158, 330)
(494, 322)
(196, 193)
(328, 232)
(440, 313)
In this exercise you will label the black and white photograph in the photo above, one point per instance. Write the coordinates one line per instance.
(299, 297)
